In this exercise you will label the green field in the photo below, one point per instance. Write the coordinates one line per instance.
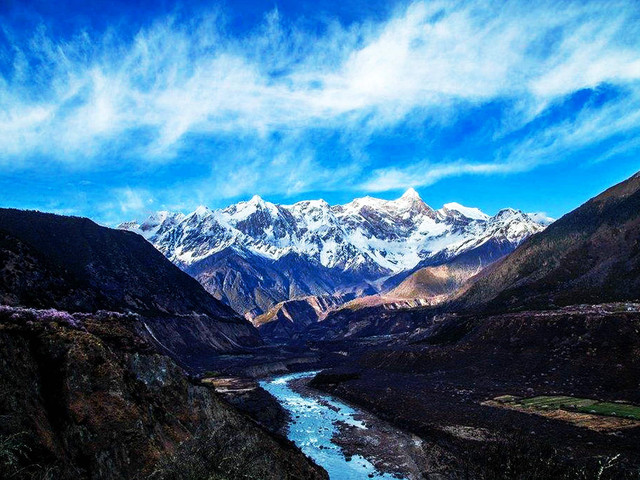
(622, 410)
(574, 404)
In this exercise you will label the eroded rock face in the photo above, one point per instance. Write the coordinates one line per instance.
(288, 320)
(85, 396)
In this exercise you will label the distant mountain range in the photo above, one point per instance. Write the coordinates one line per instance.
(589, 256)
(255, 254)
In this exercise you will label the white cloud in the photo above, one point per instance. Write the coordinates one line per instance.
(422, 174)
(429, 61)
(131, 200)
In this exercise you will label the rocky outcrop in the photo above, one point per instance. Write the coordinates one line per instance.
(433, 283)
(84, 396)
(288, 320)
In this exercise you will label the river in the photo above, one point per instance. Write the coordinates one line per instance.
(315, 420)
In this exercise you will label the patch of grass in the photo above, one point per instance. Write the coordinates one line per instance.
(612, 410)
(556, 402)
(582, 405)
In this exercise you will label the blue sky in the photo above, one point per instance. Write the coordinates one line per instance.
(113, 110)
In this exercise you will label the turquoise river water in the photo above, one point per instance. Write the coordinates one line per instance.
(313, 425)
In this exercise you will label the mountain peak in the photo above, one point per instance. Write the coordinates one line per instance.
(256, 200)
(508, 211)
(202, 210)
(411, 194)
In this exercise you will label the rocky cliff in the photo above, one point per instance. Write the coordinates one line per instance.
(85, 396)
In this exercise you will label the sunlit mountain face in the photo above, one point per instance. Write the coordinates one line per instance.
(335, 249)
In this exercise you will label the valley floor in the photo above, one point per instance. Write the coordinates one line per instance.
(350, 442)
(441, 387)
(493, 442)
(447, 386)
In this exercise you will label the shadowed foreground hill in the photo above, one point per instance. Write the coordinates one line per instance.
(90, 317)
(591, 255)
(85, 397)
(72, 264)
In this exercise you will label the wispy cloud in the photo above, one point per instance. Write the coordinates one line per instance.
(124, 202)
(426, 173)
(88, 100)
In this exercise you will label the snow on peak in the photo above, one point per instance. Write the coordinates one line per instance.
(154, 222)
(411, 194)
(507, 212)
(201, 211)
(367, 200)
(541, 217)
(511, 214)
(469, 212)
(130, 225)
(367, 233)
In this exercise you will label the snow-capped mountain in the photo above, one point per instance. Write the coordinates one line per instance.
(270, 252)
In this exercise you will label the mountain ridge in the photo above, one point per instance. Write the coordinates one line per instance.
(590, 255)
(74, 265)
(326, 249)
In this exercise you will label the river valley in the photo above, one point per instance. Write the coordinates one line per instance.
(350, 444)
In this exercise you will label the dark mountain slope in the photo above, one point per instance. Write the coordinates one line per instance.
(27, 278)
(118, 267)
(72, 264)
(84, 396)
(253, 284)
(591, 255)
